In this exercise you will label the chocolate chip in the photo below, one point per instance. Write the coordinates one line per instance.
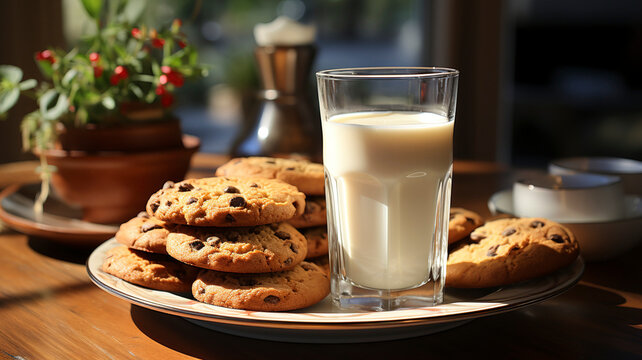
(185, 187)
(201, 291)
(154, 206)
(556, 238)
(168, 185)
(306, 267)
(231, 190)
(213, 240)
(168, 203)
(196, 245)
(149, 226)
(492, 251)
(289, 168)
(238, 202)
(254, 185)
(477, 237)
(535, 224)
(470, 220)
(288, 261)
(452, 216)
(230, 218)
(282, 235)
(271, 299)
(191, 201)
(509, 231)
(294, 248)
(143, 214)
(270, 162)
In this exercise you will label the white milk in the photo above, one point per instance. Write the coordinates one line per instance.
(385, 172)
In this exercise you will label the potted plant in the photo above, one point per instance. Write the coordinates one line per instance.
(104, 130)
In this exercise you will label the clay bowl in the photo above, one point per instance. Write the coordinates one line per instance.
(112, 187)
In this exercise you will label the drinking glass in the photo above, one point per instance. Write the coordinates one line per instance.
(387, 152)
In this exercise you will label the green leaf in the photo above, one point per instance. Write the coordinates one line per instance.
(109, 103)
(69, 76)
(46, 68)
(82, 115)
(71, 54)
(133, 10)
(93, 8)
(49, 110)
(8, 98)
(28, 84)
(10, 73)
(136, 90)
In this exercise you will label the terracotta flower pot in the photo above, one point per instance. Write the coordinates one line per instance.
(133, 137)
(113, 186)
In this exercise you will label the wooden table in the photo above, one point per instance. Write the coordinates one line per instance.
(49, 309)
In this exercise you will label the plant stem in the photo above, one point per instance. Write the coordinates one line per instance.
(45, 176)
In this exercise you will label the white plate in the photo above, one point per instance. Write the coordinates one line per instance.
(323, 323)
(598, 240)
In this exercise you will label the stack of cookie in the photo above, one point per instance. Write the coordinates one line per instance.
(232, 235)
(308, 177)
(505, 251)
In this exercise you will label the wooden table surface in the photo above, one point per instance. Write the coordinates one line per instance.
(49, 309)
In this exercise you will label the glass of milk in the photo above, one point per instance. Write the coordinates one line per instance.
(387, 152)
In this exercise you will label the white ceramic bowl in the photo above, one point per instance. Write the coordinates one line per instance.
(630, 171)
(598, 240)
(569, 198)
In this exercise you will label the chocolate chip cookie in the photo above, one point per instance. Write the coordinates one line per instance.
(462, 223)
(258, 249)
(144, 233)
(506, 251)
(317, 238)
(300, 287)
(313, 215)
(222, 201)
(154, 271)
(306, 176)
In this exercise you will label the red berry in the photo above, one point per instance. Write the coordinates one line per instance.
(176, 79)
(98, 71)
(160, 90)
(94, 57)
(163, 79)
(121, 72)
(72, 108)
(45, 55)
(167, 100)
(182, 44)
(114, 79)
(158, 43)
(136, 33)
(166, 69)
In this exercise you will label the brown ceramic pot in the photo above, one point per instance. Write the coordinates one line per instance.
(113, 186)
(131, 137)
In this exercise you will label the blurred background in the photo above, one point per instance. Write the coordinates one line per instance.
(540, 79)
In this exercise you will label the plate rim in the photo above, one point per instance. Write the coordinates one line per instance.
(492, 309)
